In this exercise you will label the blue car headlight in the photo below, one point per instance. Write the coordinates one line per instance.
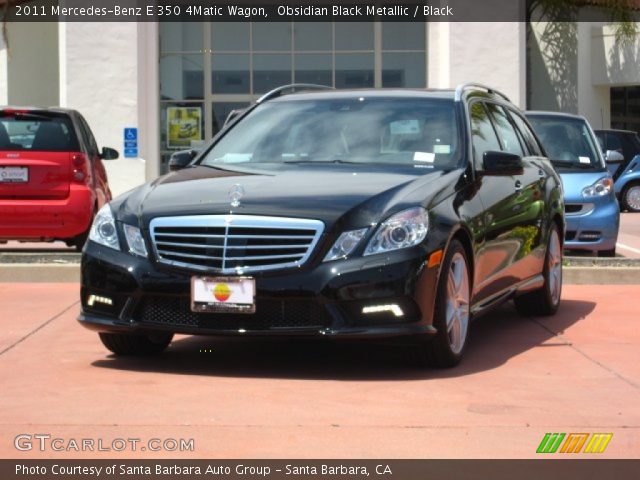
(599, 189)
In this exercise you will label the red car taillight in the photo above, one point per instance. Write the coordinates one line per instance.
(80, 167)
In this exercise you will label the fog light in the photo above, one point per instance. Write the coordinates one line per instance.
(590, 236)
(393, 308)
(93, 299)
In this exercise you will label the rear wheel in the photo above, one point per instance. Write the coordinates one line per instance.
(545, 300)
(451, 315)
(127, 344)
(631, 197)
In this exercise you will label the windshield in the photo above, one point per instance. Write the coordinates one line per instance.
(567, 141)
(412, 132)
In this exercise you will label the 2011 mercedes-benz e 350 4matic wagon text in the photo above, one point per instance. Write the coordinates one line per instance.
(343, 214)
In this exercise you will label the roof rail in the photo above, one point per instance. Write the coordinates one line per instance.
(276, 92)
(477, 86)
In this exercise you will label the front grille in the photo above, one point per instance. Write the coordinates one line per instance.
(234, 243)
(269, 315)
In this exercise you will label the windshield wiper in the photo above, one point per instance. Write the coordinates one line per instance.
(570, 164)
(332, 160)
(563, 163)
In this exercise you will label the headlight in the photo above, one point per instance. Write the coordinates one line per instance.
(103, 230)
(402, 230)
(345, 244)
(599, 189)
(135, 240)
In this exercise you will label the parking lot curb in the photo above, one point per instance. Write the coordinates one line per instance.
(70, 273)
(39, 273)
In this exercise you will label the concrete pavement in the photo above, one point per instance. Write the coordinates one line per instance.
(522, 377)
(629, 235)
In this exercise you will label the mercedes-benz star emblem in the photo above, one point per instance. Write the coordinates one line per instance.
(235, 194)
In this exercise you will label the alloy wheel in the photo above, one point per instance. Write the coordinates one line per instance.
(457, 311)
(554, 259)
(632, 197)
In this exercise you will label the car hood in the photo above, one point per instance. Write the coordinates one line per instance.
(328, 193)
(574, 182)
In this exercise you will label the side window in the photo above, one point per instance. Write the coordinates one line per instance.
(529, 137)
(86, 131)
(613, 143)
(508, 136)
(484, 136)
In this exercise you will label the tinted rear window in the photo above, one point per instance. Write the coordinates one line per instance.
(36, 133)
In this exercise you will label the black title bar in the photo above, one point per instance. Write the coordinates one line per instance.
(287, 10)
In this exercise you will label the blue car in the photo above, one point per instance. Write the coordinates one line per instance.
(592, 213)
(622, 155)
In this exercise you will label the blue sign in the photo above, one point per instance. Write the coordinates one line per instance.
(130, 142)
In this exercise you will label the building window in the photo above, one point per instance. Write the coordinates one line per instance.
(219, 67)
(625, 108)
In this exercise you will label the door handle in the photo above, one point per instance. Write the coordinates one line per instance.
(518, 185)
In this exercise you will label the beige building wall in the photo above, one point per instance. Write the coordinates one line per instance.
(31, 65)
(575, 64)
(99, 72)
(488, 53)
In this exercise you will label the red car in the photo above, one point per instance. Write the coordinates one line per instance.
(52, 180)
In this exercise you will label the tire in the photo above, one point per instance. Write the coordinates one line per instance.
(446, 348)
(136, 345)
(78, 241)
(607, 253)
(630, 197)
(545, 300)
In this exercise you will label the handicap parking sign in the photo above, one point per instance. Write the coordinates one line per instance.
(130, 134)
(130, 142)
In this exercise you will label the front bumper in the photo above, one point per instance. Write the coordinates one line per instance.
(595, 227)
(321, 300)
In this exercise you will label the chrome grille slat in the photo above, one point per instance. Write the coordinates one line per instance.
(265, 247)
(204, 235)
(266, 257)
(249, 243)
(191, 255)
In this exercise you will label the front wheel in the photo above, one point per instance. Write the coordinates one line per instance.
(452, 315)
(545, 300)
(137, 345)
(631, 197)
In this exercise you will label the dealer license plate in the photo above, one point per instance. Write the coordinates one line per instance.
(223, 294)
(14, 174)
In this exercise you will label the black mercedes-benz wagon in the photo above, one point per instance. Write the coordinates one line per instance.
(338, 214)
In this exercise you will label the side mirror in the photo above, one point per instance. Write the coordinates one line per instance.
(109, 153)
(181, 159)
(502, 163)
(613, 156)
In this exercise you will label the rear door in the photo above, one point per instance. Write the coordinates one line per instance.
(35, 154)
(512, 204)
